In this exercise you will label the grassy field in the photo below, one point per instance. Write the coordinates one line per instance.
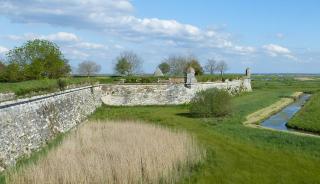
(235, 153)
(308, 119)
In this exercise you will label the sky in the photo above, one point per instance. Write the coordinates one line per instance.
(269, 36)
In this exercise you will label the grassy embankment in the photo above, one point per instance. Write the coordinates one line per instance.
(308, 118)
(254, 119)
(235, 153)
(38, 86)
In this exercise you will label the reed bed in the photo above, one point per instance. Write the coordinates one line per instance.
(115, 152)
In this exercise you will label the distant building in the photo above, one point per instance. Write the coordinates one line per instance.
(158, 73)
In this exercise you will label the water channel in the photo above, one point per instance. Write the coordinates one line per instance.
(279, 120)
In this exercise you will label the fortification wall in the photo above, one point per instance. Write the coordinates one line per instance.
(27, 124)
(7, 96)
(164, 94)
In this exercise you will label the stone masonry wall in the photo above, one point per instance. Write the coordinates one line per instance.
(164, 94)
(7, 96)
(27, 124)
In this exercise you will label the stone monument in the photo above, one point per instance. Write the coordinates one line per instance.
(248, 73)
(190, 77)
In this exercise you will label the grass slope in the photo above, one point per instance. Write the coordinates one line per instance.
(236, 154)
(308, 118)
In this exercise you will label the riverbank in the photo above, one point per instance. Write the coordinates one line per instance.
(308, 119)
(254, 120)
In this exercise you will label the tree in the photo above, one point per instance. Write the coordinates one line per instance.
(128, 63)
(123, 67)
(38, 59)
(178, 64)
(2, 66)
(211, 65)
(222, 66)
(12, 73)
(194, 63)
(2, 70)
(164, 67)
(88, 68)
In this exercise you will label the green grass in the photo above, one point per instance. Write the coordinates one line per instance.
(217, 77)
(36, 86)
(308, 119)
(236, 154)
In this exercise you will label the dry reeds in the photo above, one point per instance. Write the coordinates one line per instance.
(114, 152)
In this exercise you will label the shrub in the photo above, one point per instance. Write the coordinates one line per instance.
(211, 103)
(62, 84)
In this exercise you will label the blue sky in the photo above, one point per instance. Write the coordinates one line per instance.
(268, 36)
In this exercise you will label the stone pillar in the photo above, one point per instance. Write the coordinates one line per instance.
(190, 77)
(248, 73)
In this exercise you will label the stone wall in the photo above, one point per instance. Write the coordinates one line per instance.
(164, 94)
(7, 96)
(27, 124)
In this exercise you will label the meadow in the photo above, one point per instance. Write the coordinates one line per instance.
(234, 153)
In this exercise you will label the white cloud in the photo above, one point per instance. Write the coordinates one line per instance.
(3, 50)
(277, 50)
(114, 17)
(57, 37)
(62, 37)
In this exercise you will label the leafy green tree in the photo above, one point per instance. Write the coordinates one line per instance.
(194, 63)
(38, 59)
(13, 73)
(34, 70)
(164, 67)
(123, 67)
(2, 70)
(128, 63)
(2, 66)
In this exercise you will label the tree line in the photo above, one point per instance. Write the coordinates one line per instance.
(38, 59)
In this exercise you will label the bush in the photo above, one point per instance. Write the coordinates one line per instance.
(211, 103)
(62, 84)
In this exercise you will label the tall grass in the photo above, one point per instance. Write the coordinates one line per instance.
(114, 152)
